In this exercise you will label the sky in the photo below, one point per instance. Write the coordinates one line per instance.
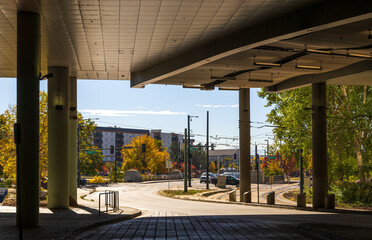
(114, 103)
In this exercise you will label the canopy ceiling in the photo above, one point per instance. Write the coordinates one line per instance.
(201, 44)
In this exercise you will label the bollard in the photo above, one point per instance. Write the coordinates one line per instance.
(330, 201)
(301, 200)
(232, 196)
(247, 197)
(270, 199)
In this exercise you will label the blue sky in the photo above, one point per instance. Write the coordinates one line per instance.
(160, 107)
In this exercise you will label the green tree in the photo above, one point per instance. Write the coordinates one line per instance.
(349, 120)
(90, 164)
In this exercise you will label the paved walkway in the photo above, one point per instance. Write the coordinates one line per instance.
(55, 224)
(175, 226)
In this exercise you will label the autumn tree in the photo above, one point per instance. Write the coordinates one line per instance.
(153, 159)
(212, 167)
(7, 146)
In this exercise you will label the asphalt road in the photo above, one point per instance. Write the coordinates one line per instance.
(181, 219)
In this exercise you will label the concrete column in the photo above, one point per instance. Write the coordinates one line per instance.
(58, 111)
(244, 142)
(28, 68)
(72, 142)
(320, 180)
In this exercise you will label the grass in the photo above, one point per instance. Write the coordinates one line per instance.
(181, 192)
(292, 195)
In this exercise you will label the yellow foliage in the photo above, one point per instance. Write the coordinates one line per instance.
(97, 179)
(152, 160)
(212, 167)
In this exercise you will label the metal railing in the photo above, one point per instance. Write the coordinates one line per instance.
(111, 201)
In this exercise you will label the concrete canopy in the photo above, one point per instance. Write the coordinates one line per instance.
(203, 44)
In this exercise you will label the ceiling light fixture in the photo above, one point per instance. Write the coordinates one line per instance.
(359, 55)
(192, 86)
(223, 78)
(308, 67)
(266, 64)
(228, 89)
(318, 51)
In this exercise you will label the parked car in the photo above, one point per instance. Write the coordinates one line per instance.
(230, 180)
(203, 177)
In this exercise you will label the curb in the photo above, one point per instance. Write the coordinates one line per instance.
(310, 209)
(75, 232)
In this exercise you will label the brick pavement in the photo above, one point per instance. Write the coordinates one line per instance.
(176, 226)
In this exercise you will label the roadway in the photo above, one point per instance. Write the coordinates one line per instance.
(162, 217)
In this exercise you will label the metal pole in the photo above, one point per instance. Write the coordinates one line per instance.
(188, 148)
(207, 150)
(115, 168)
(301, 173)
(185, 162)
(257, 169)
(267, 152)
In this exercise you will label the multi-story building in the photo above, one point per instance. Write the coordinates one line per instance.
(105, 137)
(167, 138)
(224, 157)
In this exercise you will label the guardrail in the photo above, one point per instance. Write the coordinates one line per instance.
(111, 201)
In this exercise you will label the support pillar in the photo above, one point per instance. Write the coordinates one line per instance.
(28, 67)
(72, 142)
(244, 142)
(58, 111)
(320, 179)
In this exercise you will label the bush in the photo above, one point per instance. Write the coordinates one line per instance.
(359, 193)
(97, 179)
(7, 183)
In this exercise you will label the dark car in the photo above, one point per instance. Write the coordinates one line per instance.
(203, 177)
(230, 180)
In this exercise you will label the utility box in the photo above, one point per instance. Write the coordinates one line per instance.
(307, 182)
(221, 181)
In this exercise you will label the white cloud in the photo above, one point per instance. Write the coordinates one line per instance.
(121, 113)
(217, 106)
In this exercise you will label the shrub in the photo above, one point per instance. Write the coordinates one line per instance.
(97, 179)
(359, 193)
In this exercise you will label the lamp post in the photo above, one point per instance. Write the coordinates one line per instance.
(188, 146)
(267, 152)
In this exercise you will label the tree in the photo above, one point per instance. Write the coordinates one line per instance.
(90, 164)
(212, 167)
(7, 146)
(349, 120)
(173, 151)
(152, 160)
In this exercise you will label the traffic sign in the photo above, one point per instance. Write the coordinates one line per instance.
(91, 152)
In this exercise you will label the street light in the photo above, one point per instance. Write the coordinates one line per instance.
(188, 145)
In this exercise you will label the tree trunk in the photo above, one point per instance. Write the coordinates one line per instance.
(360, 164)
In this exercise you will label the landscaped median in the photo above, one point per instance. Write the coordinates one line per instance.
(192, 194)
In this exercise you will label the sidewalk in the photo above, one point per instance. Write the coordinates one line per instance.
(61, 224)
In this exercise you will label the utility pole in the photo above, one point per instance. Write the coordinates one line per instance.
(207, 150)
(188, 148)
(257, 169)
(185, 160)
(267, 152)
